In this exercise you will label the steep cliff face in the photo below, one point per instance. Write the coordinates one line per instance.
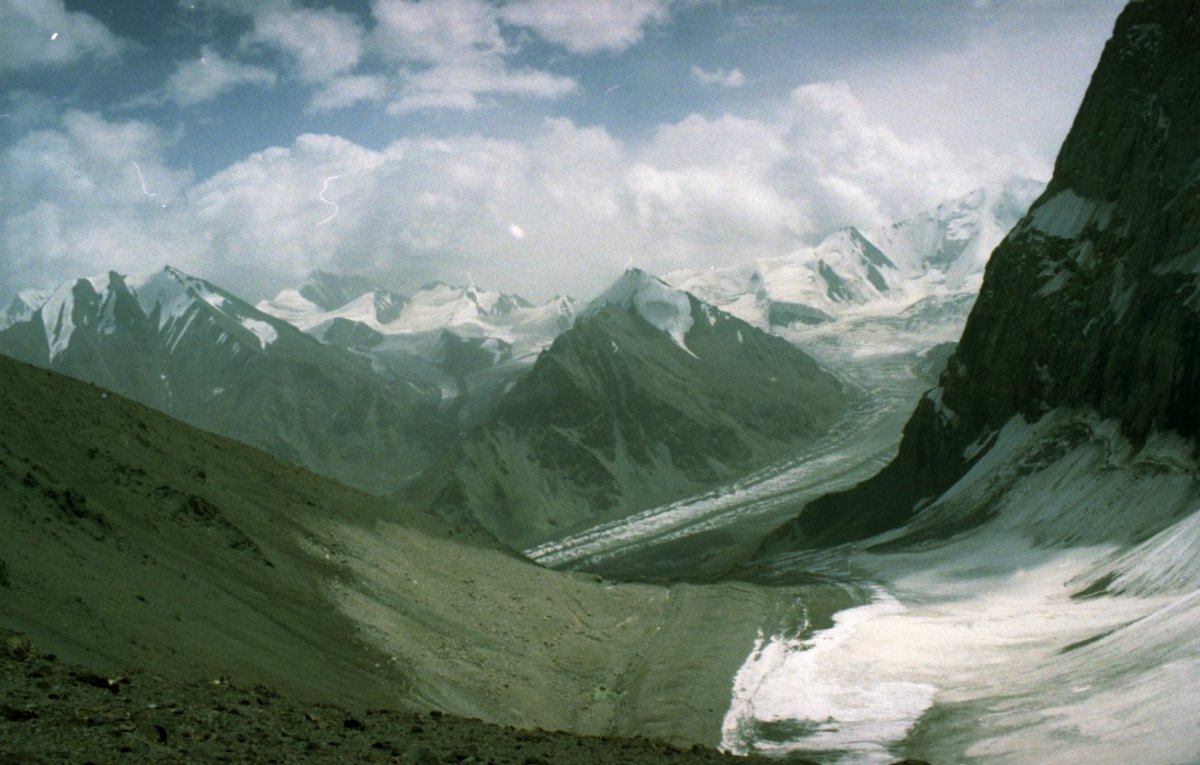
(1092, 302)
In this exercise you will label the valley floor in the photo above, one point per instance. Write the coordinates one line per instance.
(1043, 610)
(702, 537)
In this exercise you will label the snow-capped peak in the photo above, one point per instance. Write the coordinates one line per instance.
(23, 306)
(332, 291)
(951, 243)
(658, 303)
(171, 292)
(167, 299)
(941, 252)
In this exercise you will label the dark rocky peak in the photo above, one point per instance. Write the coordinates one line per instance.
(1092, 302)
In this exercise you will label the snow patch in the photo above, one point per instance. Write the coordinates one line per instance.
(23, 306)
(948, 415)
(829, 693)
(662, 306)
(265, 333)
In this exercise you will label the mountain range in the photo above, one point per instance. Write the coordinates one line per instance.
(191, 349)
(467, 344)
(651, 395)
(937, 254)
(401, 375)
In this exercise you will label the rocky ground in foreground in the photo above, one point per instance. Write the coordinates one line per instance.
(53, 712)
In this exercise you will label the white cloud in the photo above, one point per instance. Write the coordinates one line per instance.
(459, 86)
(84, 208)
(559, 210)
(732, 78)
(322, 43)
(451, 54)
(204, 78)
(43, 33)
(438, 31)
(851, 168)
(587, 26)
(349, 90)
(1014, 73)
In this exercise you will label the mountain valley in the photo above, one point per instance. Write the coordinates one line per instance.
(919, 493)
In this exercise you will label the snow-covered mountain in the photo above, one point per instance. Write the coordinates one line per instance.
(196, 351)
(652, 394)
(935, 254)
(469, 344)
(326, 300)
(23, 306)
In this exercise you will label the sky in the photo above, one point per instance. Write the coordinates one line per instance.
(531, 146)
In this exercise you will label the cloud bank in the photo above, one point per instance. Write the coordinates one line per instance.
(559, 211)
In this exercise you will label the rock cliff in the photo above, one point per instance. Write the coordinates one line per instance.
(1091, 302)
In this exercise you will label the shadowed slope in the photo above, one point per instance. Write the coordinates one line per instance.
(1090, 303)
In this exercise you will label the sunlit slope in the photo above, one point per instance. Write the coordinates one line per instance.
(128, 539)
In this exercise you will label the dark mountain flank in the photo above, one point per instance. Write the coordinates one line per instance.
(188, 348)
(1090, 303)
(651, 395)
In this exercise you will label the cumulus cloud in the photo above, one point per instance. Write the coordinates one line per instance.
(452, 53)
(732, 78)
(349, 90)
(588, 26)
(850, 168)
(321, 43)
(208, 76)
(44, 33)
(560, 210)
(1023, 74)
(97, 195)
(438, 31)
(437, 54)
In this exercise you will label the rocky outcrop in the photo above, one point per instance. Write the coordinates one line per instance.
(1091, 302)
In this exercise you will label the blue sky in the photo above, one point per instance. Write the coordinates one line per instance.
(536, 144)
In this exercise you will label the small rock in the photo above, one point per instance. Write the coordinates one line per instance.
(18, 647)
(98, 681)
(13, 714)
